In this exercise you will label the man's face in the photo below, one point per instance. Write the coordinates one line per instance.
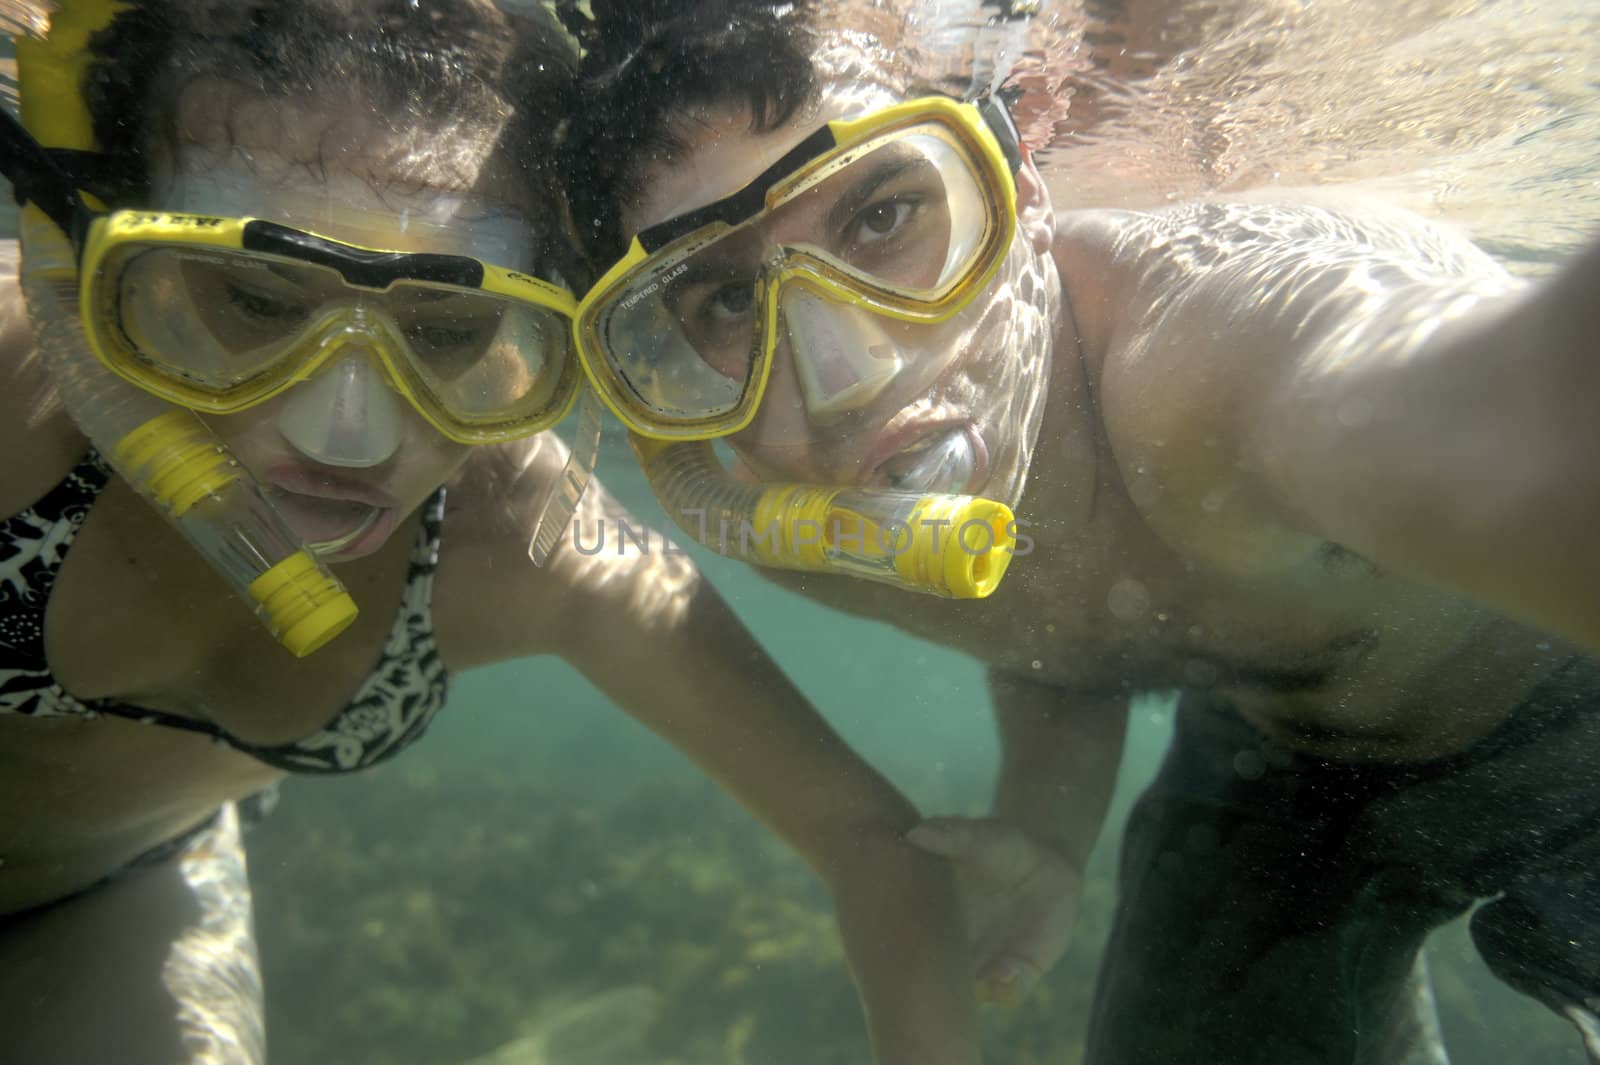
(959, 411)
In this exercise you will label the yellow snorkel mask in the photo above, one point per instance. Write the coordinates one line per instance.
(166, 453)
(221, 314)
(854, 253)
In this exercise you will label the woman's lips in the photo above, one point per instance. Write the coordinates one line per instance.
(334, 516)
(322, 483)
(332, 527)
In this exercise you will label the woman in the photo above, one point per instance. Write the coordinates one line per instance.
(393, 153)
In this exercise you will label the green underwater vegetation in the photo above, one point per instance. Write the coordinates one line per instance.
(427, 915)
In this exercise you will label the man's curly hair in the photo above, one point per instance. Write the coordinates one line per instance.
(647, 62)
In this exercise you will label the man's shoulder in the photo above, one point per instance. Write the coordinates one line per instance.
(1268, 224)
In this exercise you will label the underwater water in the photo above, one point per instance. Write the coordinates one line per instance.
(545, 882)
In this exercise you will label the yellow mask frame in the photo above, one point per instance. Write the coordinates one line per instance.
(113, 240)
(982, 130)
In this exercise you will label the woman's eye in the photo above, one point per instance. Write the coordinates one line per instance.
(440, 337)
(262, 307)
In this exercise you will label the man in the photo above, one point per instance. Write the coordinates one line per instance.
(1325, 470)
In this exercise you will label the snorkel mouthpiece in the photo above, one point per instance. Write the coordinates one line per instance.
(953, 546)
(165, 452)
(178, 466)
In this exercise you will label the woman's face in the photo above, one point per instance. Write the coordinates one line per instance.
(343, 456)
(958, 416)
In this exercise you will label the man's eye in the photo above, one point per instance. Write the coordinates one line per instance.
(732, 301)
(880, 220)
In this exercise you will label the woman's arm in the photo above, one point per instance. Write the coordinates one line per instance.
(649, 632)
(1285, 376)
(39, 441)
(690, 671)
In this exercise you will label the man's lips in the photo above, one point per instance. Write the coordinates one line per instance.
(886, 461)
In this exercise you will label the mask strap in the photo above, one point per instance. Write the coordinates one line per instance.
(997, 115)
(555, 516)
(38, 179)
(998, 43)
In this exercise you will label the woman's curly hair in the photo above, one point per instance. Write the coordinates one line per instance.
(430, 65)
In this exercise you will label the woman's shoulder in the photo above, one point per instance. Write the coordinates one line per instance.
(493, 602)
(39, 442)
(497, 493)
(490, 602)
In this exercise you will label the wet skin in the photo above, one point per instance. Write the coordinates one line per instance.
(137, 616)
(1200, 520)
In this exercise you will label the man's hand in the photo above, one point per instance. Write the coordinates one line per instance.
(1019, 899)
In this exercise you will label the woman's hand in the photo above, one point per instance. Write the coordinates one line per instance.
(900, 920)
(660, 642)
(1019, 899)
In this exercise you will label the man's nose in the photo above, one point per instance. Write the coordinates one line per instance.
(842, 357)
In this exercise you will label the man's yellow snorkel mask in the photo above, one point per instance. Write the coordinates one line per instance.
(851, 254)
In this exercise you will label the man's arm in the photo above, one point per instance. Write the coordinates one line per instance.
(1285, 376)
(1059, 761)
(1020, 870)
(1466, 455)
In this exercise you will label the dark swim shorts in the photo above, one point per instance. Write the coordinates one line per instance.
(1273, 905)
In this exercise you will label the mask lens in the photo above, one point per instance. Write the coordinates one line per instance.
(214, 319)
(231, 326)
(682, 334)
(904, 222)
(904, 215)
(484, 360)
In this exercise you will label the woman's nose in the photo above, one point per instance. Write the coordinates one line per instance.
(347, 415)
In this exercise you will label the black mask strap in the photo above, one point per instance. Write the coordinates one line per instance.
(38, 179)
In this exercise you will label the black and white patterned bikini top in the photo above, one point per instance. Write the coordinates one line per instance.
(393, 707)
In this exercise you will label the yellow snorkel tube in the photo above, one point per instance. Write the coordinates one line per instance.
(165, 452)
(954, 546)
